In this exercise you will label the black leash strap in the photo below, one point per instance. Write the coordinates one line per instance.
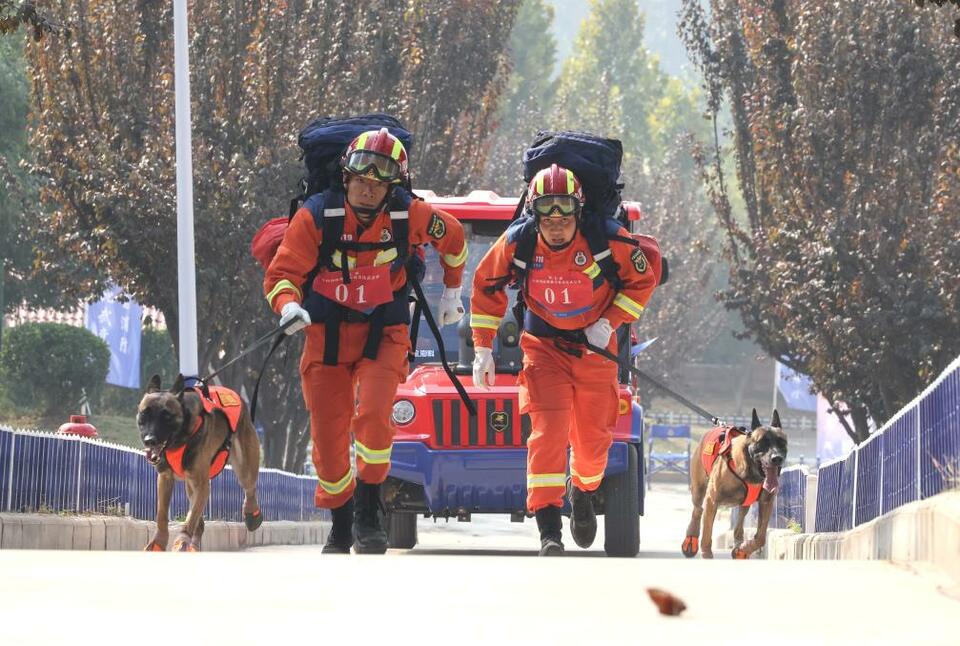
(581, 338)
(256, 344)
(256, 387)
(414, 330)
(432, 324)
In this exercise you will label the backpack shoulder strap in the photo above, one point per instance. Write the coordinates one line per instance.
(523, 233)
(612, 228)
(597, 233)
(328, 216)
(399, 208)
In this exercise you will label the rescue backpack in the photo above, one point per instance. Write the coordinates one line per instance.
(322, 143)
(596, 163)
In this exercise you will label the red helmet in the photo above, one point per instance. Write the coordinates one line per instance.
(376, 154)
(555, 192)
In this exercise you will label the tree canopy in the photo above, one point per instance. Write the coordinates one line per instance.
(104, 138)
(847, 142)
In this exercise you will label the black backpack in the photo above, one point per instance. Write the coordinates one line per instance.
(596, 163)
(322, 142)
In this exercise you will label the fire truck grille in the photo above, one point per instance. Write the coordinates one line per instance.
(498, 424)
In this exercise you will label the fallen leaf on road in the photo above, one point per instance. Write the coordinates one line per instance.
(667, 604)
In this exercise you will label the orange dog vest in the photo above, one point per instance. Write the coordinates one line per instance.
(718, 442)
(228, 403)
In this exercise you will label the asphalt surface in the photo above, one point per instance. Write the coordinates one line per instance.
(478, 582)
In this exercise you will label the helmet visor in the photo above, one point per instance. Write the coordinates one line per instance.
(365, 162)
(562, 205)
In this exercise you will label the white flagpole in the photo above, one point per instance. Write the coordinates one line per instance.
(186, 268)
(776, 383)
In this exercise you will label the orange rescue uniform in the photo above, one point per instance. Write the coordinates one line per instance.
(355, 396)
(571, 401)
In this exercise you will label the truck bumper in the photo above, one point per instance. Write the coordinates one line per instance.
(475, 481)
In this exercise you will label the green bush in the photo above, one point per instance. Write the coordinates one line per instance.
(157, 357)
(45, 366)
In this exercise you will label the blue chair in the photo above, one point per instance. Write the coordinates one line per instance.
(668, 462)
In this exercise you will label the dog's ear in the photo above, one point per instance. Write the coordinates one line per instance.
(755, 423)
(178, 385)
(154, 384)
(776, 420)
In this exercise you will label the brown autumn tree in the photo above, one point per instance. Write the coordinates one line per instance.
(15, 14)
(103, 134)
(940, 3)
(846, 132)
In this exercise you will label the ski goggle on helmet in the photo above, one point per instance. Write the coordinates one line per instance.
(378, 155)
(555, 192)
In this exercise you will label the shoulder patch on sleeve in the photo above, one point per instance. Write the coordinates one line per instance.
(639, 260)
(436, 229)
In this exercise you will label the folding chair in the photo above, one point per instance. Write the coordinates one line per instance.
(668, 461)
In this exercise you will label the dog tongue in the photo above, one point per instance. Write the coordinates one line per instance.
(772, 480)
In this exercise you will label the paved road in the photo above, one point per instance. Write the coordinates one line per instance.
(466, 583)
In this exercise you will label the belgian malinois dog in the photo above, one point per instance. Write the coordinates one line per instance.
(180, 435)
(744, 467)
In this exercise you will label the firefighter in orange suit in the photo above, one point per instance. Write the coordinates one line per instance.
(356, 313)
(570, 394)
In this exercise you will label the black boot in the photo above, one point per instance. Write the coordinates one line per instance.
(340, 539)
(551, 530)
(583, 519)
(368, 532)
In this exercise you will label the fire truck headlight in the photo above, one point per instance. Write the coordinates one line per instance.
(403, 412)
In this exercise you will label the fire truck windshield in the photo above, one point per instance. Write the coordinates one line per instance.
(480, 236)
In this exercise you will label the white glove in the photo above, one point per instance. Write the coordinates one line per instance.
(598, 333)
(451, 309)
(484, 371)
(293, 311)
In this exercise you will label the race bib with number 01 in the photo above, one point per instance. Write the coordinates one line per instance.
(368, 287)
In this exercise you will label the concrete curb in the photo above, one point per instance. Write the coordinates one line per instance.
(51, 532)
(928, 530)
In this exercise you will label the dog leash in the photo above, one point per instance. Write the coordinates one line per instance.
(204, 381)
(579, 337)
(435, 330)
(256, 344)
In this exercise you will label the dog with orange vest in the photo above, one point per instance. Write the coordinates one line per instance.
(735, 468)
(191, 434)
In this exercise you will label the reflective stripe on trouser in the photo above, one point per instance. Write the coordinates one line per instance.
(571, 402)
(351, 402)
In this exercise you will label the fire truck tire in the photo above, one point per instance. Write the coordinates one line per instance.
(621, 520)
(402, 530)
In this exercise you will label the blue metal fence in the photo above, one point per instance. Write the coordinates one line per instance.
(940, 437)
(899, 449)
(829, 479)
(913, 456)
(869, 471)
(791, 499)
(43, 471)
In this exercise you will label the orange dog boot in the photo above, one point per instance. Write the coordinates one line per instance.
(691, 545)
(154, 546)
(253, 520)
(184, 544)
(739, 554)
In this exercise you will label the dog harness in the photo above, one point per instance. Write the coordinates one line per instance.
(719, 442)
(227, 402)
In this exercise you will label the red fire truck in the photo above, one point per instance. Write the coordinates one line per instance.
(447, 463)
